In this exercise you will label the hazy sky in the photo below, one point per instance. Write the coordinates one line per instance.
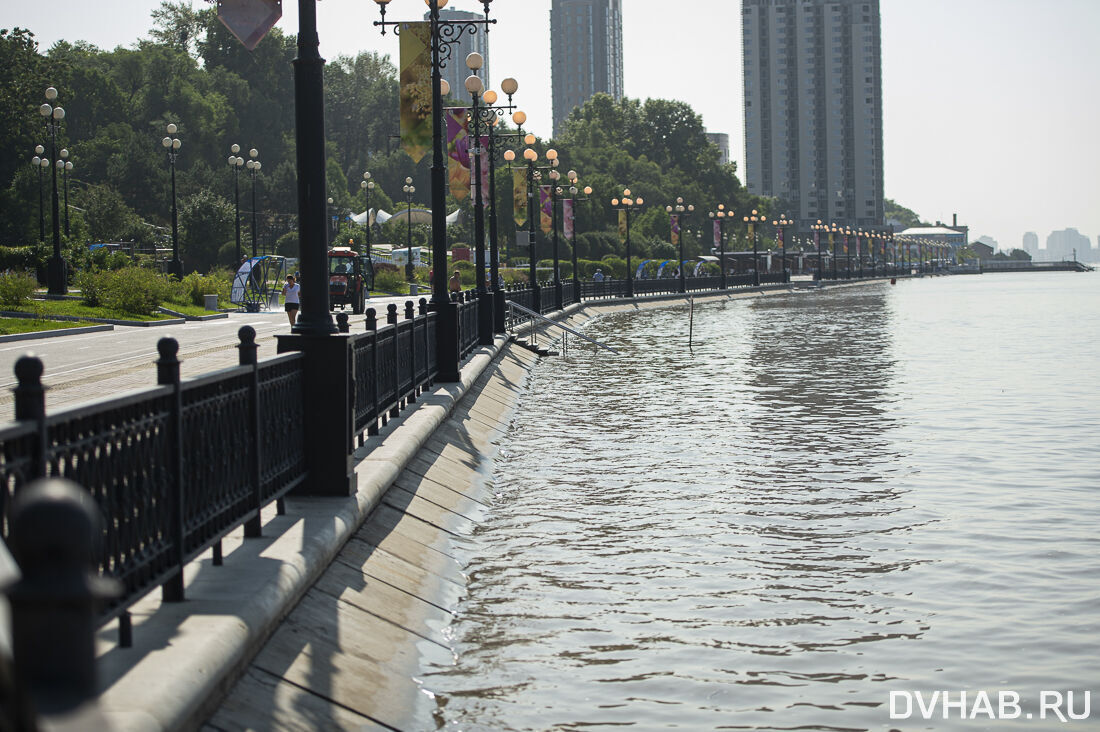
(990, 107)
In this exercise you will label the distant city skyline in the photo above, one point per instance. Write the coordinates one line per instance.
(985, 104)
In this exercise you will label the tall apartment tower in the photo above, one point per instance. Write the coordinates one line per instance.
(586, 48)
(456, 71)
(813, 108)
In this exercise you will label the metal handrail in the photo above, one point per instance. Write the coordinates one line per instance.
(532, 315)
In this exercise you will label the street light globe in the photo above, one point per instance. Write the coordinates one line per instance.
(530, 155)
(45, 110)
(363, 185)
(366, 175)
(51, 93)
(59, 164)
(58, 113)
(529, 139)
(234, 148)
(330, 199)
(39, 149)
(171, 128)
(444, 87)
(509, 86)
(509, 155)
(36, 161)
(489, 97)
(408, 181)
(370, 185)
(167, 142)
(626, 192)
(68, 166)
(551, 154)
(520, 117)
(614, 202)
(558, 190)
(232, 160)
(571, 175)
(44, 162)
(572, 190)
(474, 61)
(639, 200)
(668, 209)
(438, 3)
(473, 84)
(588, 190)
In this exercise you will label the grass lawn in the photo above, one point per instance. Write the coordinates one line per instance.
(193, 310)
(80, 310)
(11, 326)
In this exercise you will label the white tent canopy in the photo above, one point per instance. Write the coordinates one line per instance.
(417, 216)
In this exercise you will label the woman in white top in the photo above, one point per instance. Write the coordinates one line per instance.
(290, 292)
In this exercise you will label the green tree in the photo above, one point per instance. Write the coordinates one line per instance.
(206, 224)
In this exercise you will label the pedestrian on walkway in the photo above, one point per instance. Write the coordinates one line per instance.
(291, 290)
(455, 284)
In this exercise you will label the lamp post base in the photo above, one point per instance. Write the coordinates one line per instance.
(485, 318)
(446, 341)
(175, 267)
(56, 276)
(500, 306)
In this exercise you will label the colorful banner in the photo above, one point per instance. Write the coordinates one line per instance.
(416, 90)
(674, 227)
(845, 243)
(717, 234)
(779, 238)
(622, 225)
(567, 218)
(485, 192)
(458, 153)
(546, 221)
(519, 196)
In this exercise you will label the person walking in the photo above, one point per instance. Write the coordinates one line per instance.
(455, 284)
(598, 276)
(291, 290)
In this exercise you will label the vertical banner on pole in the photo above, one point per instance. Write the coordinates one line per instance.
(622, 226)
(567, 218)
(519, 196)
(546, 222)
(458, 153)
(416, 90)
(674, 227)
(484, 147)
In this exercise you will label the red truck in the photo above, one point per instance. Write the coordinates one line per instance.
(350, 278)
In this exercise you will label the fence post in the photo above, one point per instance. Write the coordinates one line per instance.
(410, 315)
(246, 356)
(30, 404)
(56, 539)
(168, 374)
(342, 324)
(372, 325)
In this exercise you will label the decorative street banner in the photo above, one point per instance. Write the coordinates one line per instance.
(845, 243)
(674, 227)
(416, 90)
(458, 153)
(780, 238)
(622, 225)
(717, 234)
(484, 175)
(567, 218)
(545, 206)
(519, 196)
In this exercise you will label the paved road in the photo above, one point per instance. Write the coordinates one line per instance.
(81, 368)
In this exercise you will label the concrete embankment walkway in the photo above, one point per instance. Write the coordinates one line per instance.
(326, 622)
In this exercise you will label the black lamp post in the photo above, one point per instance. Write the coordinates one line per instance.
(719, 219)
(779, 224)
(65, 168)
(253, 165)
(751, 222)
(367, 185)
(627, 205)
(41, 163)
(533, 178)
(677, 214)
(55, 271)
(236, 162)
(818, 228)
(859, 251)
(572, 175)
(833, 243)
(172, 146)
(443, 35)
(491, 112)
(555, 191)
(409, 190)
(475, 87)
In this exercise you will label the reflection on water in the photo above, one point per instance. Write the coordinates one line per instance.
(776, 528)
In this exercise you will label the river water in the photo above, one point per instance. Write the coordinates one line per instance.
(833, 496)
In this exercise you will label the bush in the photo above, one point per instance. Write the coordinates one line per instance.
(194, 286)
(16, 289)
(389, 278)
(132, 290)
(20, 258)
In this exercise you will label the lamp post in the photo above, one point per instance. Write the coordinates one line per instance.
(235, 163)
(751, 222)
(509, 86)
(572, 175)
(719, 218)
(41, 164)
(55, 271)
(533, 177)
(677, 214)
(443, 34)
(409, 190)
(555, 191)
(253, 165)
(626, 205)
(367, 185)
(779, 224)
(172, 147)
(833, 243)
(65, 165)
(475, 87)
(818, 228)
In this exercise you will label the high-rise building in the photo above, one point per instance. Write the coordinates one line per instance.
(1067, 244)
(1031, 244)
(813, 108)
(586, 49)
(456, 70)
(720, 140)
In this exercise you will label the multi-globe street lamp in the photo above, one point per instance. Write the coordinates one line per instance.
(65, 166)
(719, 218)
(53, 114)
(573, 190)
(236, 162)
(555, 190)
(253, 165)
(475, 87)
(443, 34)
(677, 213)
(751, 222)
(625, 206)
(818, 228)
(409, 190)
(779, 223)
(367, 185)
(41, 163)
(172, 147)
(492, 113)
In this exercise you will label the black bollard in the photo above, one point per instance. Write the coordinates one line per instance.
(342, 324)
(56, 539)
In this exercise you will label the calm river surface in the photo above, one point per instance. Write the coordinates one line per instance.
(838, 495)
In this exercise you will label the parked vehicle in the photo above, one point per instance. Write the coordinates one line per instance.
(350, 278)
